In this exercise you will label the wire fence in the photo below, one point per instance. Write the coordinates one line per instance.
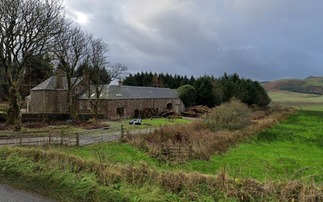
(61, 137)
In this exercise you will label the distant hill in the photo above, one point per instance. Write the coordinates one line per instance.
(312, 85)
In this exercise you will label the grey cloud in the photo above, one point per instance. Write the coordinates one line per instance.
(262, 40)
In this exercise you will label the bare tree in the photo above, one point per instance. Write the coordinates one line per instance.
(27, 28)
(98, 74)
(71, 52)
(117, 71)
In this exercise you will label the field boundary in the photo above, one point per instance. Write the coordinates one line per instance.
(71, 139)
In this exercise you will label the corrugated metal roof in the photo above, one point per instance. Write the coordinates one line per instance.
(129, 92)
(50, 83)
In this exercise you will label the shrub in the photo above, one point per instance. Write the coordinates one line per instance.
(232, 115)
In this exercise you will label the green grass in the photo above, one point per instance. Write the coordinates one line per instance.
(300, 100)
(111, 152)
(66, 185)
(291, 149)
(146, 123)
(314, 81)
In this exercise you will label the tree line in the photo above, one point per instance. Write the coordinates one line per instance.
(205, 90)
(158, 80)
(36, 35)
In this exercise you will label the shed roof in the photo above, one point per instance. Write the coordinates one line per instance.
(114, 92)
(50, 83)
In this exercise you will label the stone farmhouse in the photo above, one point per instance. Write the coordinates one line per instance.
(116, 101)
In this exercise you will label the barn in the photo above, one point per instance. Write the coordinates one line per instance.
(116, 101)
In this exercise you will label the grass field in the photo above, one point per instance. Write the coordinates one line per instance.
(300, 100)
(146, 123)
(291, 149)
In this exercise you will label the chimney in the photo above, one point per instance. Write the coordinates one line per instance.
(59, 78)
(120, 82)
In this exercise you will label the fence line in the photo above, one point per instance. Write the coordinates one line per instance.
(51, 137)
(176, 152)
(40, 138)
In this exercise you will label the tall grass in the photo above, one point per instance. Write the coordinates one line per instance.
(83, 180)
(204, 142)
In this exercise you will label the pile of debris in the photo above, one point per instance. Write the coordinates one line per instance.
(166, 113)
(196, 111)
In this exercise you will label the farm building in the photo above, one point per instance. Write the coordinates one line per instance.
(116, 101)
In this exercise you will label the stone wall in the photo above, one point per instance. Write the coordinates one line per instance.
(48, 101)
(127, 107)
(52, 101)
(37, 102)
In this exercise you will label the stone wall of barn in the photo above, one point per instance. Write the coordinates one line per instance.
(52, 101)
(48, 101)
(126, 108)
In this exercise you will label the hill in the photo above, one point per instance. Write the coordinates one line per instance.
(311, 85)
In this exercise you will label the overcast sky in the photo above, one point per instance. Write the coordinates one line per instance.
(258, 39)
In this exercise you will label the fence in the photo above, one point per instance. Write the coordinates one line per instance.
(40, 138)
(51, 137)
(176, 152)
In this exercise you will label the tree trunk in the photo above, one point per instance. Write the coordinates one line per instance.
(71, 106)
(14, 116)
(98, 90)
(96, 109)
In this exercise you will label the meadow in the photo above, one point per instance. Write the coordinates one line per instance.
(290, 150)
(283, 162)
(302, 101)
(287, 156)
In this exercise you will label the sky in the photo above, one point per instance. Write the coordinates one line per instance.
(258, 39)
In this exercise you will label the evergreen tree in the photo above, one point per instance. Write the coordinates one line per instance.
(188, 95)
(204, 89)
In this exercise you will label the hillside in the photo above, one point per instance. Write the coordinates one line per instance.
(311, 85)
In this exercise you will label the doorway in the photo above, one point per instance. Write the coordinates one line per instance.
(120, 111)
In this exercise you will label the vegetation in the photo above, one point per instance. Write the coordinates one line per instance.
(188, 95)
(302, 101)
(57, 174)
(158, 80)
(204, 142)
(27, 29)
(36, 34)
(210, 91)
(232, 115)
(279, 163)
(310, 85)
(287, 151)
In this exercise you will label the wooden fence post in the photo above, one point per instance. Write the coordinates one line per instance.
(77, 139)
(122, 133)
(179, 151)
(49, 138)
(161, 133)
(20, 138)
(62, 140)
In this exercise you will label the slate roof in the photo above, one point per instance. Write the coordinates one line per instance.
(115, 92)
(50, 83)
